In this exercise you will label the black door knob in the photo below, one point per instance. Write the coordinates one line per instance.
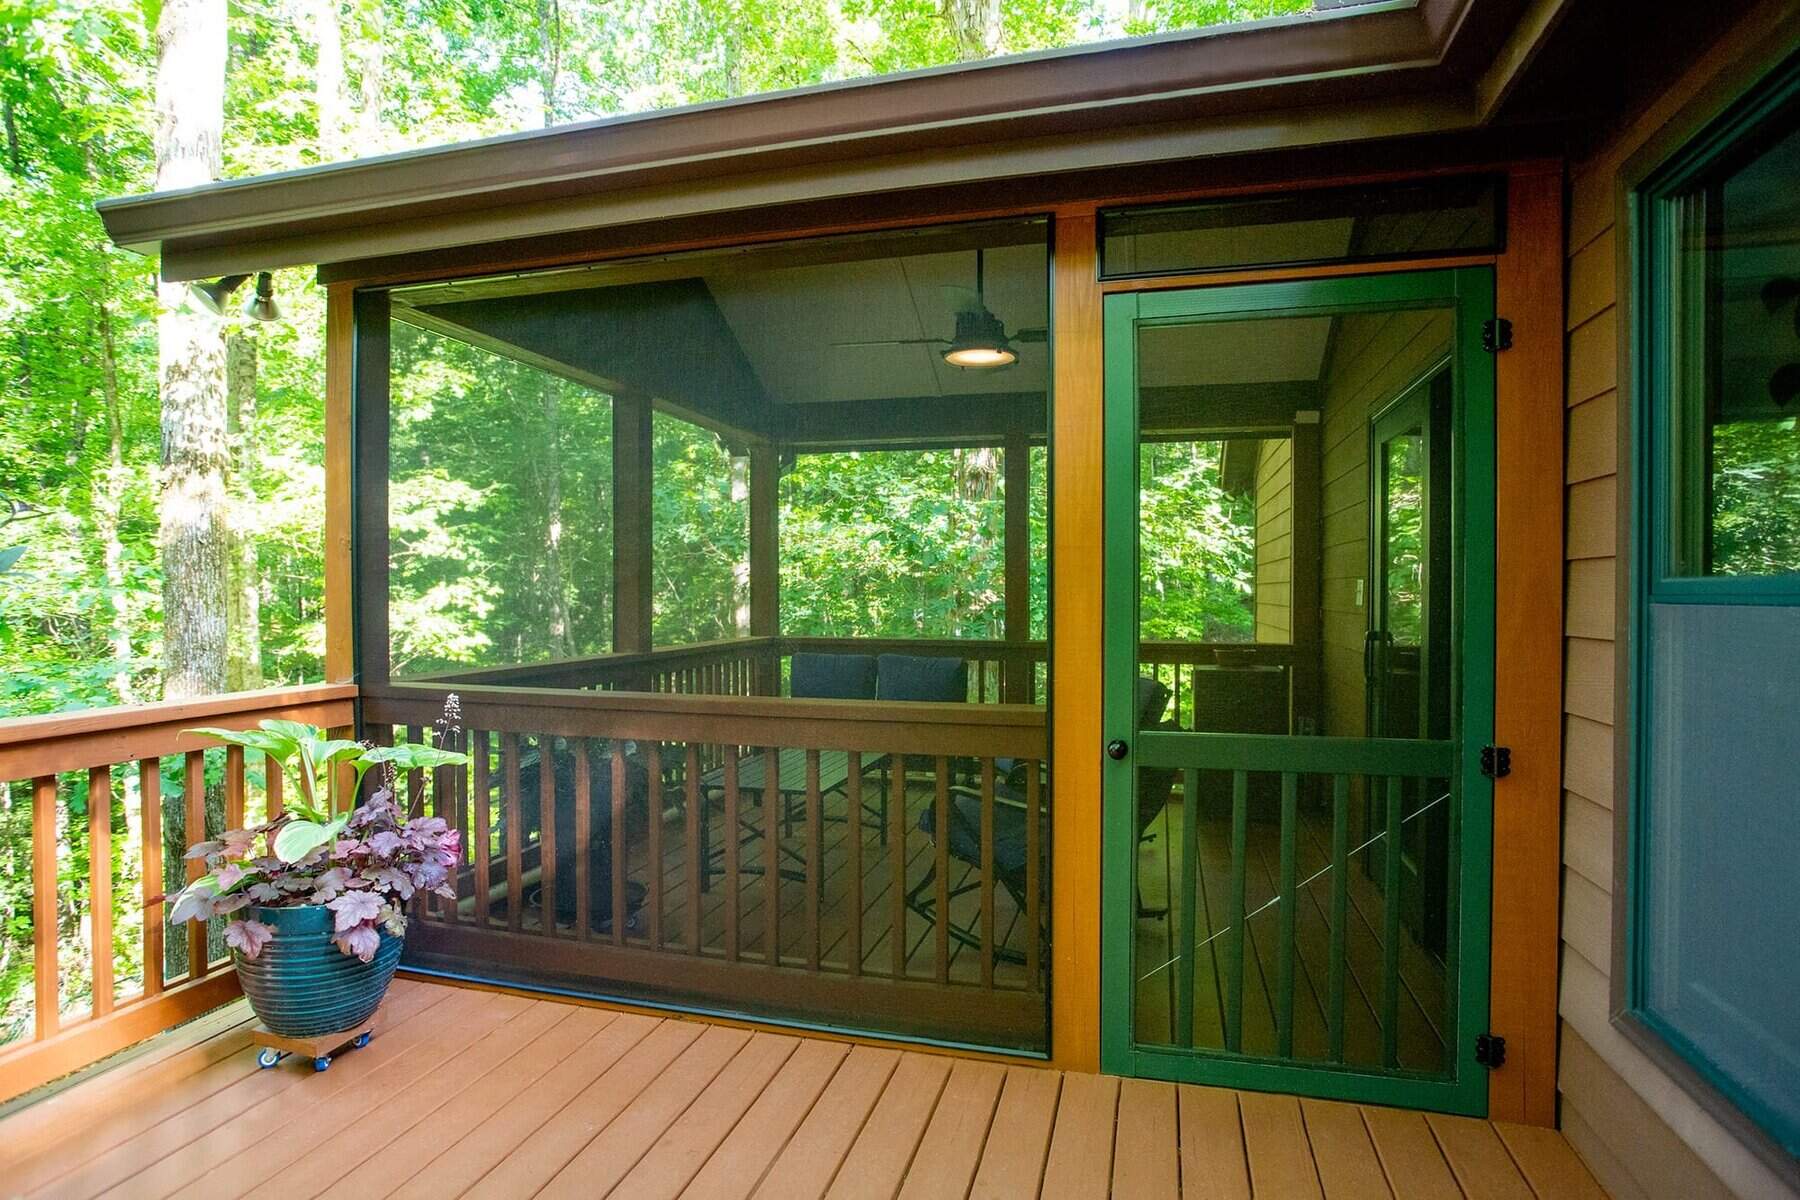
(1116, 749)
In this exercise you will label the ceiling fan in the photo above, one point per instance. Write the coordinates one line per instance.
(981, 341)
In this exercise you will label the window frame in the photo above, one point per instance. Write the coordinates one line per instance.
(1654, 186)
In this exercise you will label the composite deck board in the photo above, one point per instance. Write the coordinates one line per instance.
(469, 1092)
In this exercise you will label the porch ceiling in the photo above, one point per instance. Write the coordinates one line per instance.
(1380, 70)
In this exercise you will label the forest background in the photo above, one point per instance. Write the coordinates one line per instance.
(161, 468)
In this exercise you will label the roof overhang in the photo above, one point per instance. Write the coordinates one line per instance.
(1381, 70)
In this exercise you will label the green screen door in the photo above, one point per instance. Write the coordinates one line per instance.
(1299, 591)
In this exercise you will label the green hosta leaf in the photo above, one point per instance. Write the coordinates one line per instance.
(265, 741)
(294, 730)
(298, 839)
(416, 758)
(9, 556)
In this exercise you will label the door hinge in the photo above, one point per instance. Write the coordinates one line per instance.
(1490, 1050)
(1496, 761)
(1496, 335)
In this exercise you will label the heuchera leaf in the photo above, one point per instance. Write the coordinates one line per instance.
(362, 941)
(248, 937)
(354, 908)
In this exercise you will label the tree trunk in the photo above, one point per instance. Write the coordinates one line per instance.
(190, 109)
(243, 660)
(109, 498)
(328, 79)
(740, 571)
(561, 643)
(370, 139)
(974, 27)
(549, 56)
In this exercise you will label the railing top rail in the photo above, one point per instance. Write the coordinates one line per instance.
(75, 741)
(598, 662)
(910, 728)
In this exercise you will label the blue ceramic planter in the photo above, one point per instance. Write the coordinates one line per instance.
(302, 985)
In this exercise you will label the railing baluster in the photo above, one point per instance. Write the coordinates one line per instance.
(151, 866)
(690, 813)
(853, 845)
(621, 782)
(1033, 882)
(272, 785)
(897, 858)
(584, 841)
(512, 831)
(447, 808)
(1234, 937)
(547, 833)
(481, 847)
(234, 787)
(415, 778)
(1284, 970)
(1189, 906)
(43, 905)
(194, 794)
(729, 840)
(1390, 929)
(941, 851)
(1340, 909)
(771, 806)
(987, 873)
(100, 889)
(815, 875)
(653, 850)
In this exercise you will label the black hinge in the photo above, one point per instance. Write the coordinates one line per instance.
(1496, 335)
(1490, 1050)
(1496, 761)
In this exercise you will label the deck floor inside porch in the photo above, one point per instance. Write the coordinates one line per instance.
(482, 1093)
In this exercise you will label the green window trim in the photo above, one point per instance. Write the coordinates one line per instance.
(1662, 518)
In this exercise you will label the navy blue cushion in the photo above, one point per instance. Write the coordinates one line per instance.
(965, 833)
(832, 676)
(1152, 700)
(914, 677)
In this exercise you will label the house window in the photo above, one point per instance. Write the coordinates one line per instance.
(1715, 823)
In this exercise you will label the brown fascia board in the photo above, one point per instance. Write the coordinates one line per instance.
(1378, 50)
(419, 232)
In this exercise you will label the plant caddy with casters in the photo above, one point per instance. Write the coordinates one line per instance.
(317, 903)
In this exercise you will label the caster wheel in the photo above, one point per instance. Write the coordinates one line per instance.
(362, 1040)
(267, 1058)
(321, 1062)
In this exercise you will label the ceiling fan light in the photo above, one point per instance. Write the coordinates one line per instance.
(980, 356)
(980, 342)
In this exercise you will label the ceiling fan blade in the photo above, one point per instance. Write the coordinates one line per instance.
(897, 342)
(1032, 335)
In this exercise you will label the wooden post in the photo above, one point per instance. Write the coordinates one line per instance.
(633, 480)
(340, 335)
(1528, 537)
(1075, 653)
(1015, 668)
(765, 560)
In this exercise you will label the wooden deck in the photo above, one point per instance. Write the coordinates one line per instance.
(479, 1093)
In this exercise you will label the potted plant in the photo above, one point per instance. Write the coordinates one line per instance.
(317, 903)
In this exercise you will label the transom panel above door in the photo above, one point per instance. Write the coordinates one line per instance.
(1299, 680)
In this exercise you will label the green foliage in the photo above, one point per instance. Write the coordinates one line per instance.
(1756, 492)
(1196, 548)
(474, 575)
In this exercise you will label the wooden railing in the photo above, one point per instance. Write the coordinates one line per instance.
(631, 844)
(999, 671)
(113, 762)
